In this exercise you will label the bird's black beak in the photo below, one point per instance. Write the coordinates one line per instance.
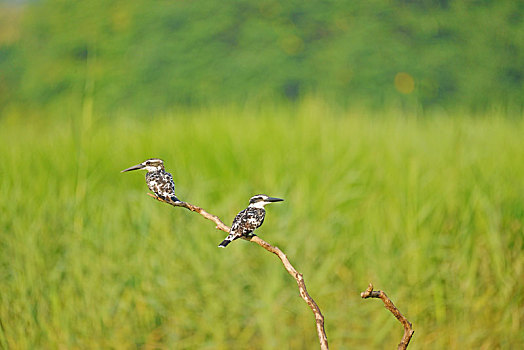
(134, 167)
(273, 199)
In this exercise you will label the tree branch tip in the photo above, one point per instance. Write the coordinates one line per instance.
(367, 292)
(408, 330)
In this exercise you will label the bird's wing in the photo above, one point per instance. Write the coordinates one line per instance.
(246, 222)
(237, 221)
(164, 185)
(170, 184)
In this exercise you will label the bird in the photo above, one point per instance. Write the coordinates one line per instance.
(249, 219)
(158, 180)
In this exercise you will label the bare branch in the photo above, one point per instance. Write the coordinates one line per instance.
(408, 329)
(275, 250)
(301, 286)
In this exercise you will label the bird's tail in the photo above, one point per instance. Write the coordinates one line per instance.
(225, 242)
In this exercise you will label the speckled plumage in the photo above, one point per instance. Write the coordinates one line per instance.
(158, 180)
(249, 219)
(161, 183)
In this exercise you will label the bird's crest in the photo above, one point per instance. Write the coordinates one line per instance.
(152, 164)
(260, 200)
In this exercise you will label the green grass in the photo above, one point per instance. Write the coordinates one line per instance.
(429, 210)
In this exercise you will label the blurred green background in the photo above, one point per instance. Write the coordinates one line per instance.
(153, 55)
(393, 129)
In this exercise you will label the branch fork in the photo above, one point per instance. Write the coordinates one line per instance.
(408, 329)
(319, 318)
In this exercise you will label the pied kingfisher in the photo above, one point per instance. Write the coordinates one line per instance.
(158, 180)
(249, 219)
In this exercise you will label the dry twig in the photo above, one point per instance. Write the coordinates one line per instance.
(408, 329)
(275, 250)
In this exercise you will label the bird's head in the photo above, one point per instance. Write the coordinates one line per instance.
(260, 200)
(153, 164)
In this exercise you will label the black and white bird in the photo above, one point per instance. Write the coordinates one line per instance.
(158, 180)
(249, 219)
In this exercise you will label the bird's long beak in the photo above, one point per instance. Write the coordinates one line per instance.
(134, 167)
(273, 199)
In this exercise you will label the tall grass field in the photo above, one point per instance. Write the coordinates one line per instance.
(429, 209)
